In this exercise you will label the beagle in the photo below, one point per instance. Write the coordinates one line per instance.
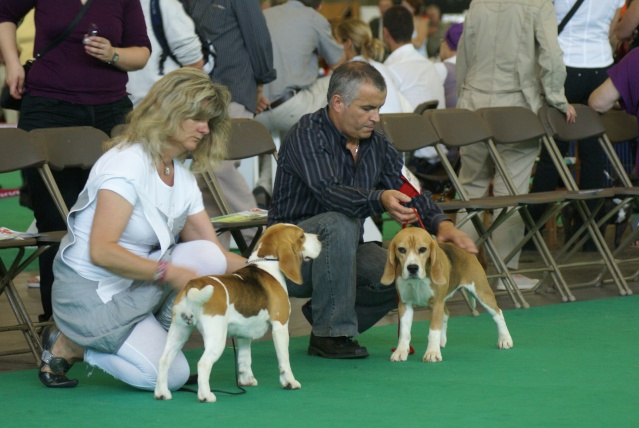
(427, 274)
(242, 305)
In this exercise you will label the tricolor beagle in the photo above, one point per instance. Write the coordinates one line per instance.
(427, 274)
(242, 305)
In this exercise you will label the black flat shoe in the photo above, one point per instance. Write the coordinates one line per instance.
(58, 365)
(336, 347)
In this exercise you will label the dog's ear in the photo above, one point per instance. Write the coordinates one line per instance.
(438, 264)
(388, 277)
(290, 263)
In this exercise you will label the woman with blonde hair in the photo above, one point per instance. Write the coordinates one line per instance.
(137, 234)
(359, 45)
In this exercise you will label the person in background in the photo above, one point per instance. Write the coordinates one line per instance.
(622, 85)
(508, 55)
(137, 234)
(334, 170)
(446, 68)
(300, 36)
(587, 53)
(183, 43)
(359, 45)
(80, 82)
(420, 25)
(244, 64)
(627, 29)
(436, 30)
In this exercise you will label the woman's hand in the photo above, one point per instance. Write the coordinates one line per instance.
(178, 276)
(99, 47)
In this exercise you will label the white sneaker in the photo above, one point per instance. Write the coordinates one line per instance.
(34, 282)
(523, 282)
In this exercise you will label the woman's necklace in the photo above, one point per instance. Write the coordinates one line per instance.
(167, 169)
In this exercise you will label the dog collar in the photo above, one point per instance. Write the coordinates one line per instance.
(250, 262)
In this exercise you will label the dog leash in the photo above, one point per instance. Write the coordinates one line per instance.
(237, 379)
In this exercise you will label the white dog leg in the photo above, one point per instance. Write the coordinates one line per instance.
(504, 341)
(177, 336)
(244, 362)
(213, 331)
(443, 339)
(280, 340)
(433, 353)
(403, 344)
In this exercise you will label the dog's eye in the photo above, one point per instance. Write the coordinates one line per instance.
(422, 250)
(401, 250)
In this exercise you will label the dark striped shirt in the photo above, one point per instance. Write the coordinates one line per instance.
(316, 174)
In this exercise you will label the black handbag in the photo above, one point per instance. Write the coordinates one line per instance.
(6, 100)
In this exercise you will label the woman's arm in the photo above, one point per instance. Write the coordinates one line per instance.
(9, 49)
(199, 226)
(604, 97)
(112, 214)
(129, 59)
(629, 22)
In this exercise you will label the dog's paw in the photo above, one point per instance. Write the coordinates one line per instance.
(162, 393)
(400, 354)
(432, 356)
(292, 385)
(206, 397)
(505, 342)
(247, 380)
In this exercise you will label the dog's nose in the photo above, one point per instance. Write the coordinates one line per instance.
(413, 269)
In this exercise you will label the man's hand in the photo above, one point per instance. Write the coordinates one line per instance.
(392, 201)
(449, 233)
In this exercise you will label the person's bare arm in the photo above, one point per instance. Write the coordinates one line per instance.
(14, 70)
(628, 23)
(604, 97)
(130, 59)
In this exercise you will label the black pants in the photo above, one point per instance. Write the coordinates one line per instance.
(580, 83)
(38, 112)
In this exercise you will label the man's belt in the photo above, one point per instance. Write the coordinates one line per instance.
(281, 100)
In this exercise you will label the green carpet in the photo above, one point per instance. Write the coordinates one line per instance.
(573, 365)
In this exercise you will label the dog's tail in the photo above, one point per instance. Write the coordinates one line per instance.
(199, 296)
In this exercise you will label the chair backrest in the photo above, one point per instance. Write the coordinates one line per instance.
(19, 151)
(426, 105)
(588, 123)
(408, 131)
(458, 127)
(620, 126)
(249, 138)
(77, 146)
(512, 124)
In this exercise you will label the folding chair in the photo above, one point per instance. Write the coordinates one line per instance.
(408, 132)
(588, 124)
(76, 146)
(249, 138)
(19, 152)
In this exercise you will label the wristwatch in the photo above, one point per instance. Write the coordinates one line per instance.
(115, 58)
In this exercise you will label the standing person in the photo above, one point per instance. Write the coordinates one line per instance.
(622, 85)
(414, 75)
(183, 43)
(585, 42)
(334, 170)
(244, 64)
(508, 55)
(137, 235)
(80, 82)
(627, 29)
(446, 68)
(300, 36)
(436, 30)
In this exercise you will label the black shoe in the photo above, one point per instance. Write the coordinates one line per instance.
(336, 347)
(262, 197)
(307, 311)
(58, 365)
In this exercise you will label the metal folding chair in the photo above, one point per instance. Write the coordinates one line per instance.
(249, 138)
(588, 124)
(19, 152)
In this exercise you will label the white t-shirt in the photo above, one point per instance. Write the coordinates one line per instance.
(396, 102)
(584, 40)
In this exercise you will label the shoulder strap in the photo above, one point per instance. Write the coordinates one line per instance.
(569, 15)
(158, 30)
(66, 32)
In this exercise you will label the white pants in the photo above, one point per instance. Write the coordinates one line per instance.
(136, 362)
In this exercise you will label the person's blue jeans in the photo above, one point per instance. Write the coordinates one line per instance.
(343, 281)
(39, 112)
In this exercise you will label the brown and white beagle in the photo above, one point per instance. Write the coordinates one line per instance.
(427, 274)
(242, 305)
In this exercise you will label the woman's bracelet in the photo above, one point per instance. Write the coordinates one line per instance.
(160, 271)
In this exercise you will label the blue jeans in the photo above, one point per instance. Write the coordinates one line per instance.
(39, 112)
(343, 281)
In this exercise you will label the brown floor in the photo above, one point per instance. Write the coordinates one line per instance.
(11, 341)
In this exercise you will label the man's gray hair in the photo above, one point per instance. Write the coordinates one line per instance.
(348, 77)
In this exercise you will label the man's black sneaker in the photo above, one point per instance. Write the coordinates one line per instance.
(336, 347)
